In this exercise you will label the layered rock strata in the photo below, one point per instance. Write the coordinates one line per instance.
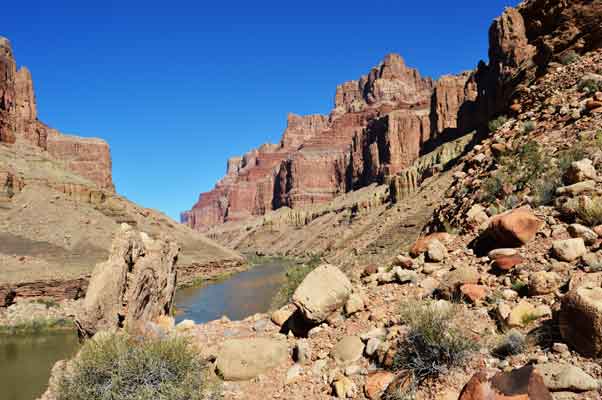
(19, 125)
(379, 126)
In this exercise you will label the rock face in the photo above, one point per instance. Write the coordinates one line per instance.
(19, 124)
(136, 284)
(380, 124)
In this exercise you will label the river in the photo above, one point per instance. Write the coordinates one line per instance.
(26, 360)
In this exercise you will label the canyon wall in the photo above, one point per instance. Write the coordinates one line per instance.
(383, 121)
(379, 125)
(19, 125)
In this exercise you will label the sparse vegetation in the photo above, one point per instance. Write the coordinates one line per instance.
(590, 86)
(529, 126)
(528, 168)
(497, 123)
(120, 367)
(569, 58)
(528, 318)
(434, 344)
(294, 276)
(520, 287)
(512, 343)
(590, 211)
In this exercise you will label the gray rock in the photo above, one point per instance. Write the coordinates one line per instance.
(580, 171)
(354, 304)
(436, 251)
(543, 282)
(566, 377)
(244, 359)
(348, 350)
(372, 345)
(302, 352)
(580, 231)
(569, 250)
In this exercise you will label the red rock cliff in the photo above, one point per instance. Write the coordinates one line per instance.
(19, 123)
(379, 125)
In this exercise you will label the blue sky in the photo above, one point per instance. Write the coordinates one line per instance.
(178, 87)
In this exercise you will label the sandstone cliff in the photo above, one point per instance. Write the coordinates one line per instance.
(58, 206)
(380, 124)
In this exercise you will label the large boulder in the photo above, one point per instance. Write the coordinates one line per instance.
(523, 383)
(513, 228)
(244, 359)
(323, 291)
(136, 284)
(580, 320)
(569, 249)
(566, 377)
(580, 171)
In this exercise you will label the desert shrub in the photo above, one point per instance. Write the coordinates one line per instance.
(569, 58)
(529, 126)
(497, 123)
(590, 86)
(434, 343)
(589, 212)
(293, 278)
(121, 367)
(512, 343)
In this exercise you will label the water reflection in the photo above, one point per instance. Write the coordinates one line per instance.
(26, 361)
(237, 297)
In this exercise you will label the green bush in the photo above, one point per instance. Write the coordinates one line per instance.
(497, 123)
(569, 58)
(121, 367)
(434, 343)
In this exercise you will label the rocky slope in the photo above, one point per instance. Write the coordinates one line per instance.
(58, 206)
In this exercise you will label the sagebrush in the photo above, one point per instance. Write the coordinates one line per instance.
(434, 343)
(121, 367)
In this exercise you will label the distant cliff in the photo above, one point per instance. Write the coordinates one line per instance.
(89, 158)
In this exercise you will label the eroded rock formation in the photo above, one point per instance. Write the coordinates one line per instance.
(136, 284)
(380, 124)
(19, 124)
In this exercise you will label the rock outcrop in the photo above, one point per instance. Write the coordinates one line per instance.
(19, 124)
(136, 284)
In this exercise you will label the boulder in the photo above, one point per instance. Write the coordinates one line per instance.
(566, 377)
(580, 320)
(513, 228)
(354, 304)
(520, 384)
(474, 293)
(569, 249)
(580, 231)
(577, 188)
(580, 171)
(323, 291)
(421, 245)
(543, 282)
(521, 314)
(244, 359)
(280, 316)
(436, 251)
(377, 383)
(452, 281)
(348, 350)
(135, 285)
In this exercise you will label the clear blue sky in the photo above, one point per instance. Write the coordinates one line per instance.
(177, 87)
